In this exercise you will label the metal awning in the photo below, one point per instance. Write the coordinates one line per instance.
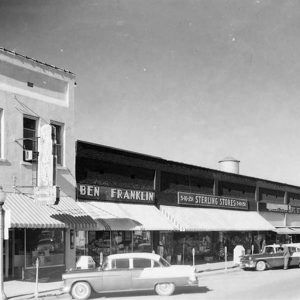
(275, 218)
(24, 212)
(209, 219)
(293, 220)
(284, 230)
(296, 230)
(127, 216)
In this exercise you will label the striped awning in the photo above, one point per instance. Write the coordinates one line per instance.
(127, 216)
(24, 212)
(209, 219)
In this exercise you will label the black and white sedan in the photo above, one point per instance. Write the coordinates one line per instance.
(271, 257)
(128, 272)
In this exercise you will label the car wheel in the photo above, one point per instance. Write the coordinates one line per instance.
(81, 290)
(261, 266)
(165, 289)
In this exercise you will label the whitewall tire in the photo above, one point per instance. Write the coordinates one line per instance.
(165, 289)
(81, 290)
(260, 266)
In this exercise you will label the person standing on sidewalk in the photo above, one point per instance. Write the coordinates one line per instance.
(286, 257)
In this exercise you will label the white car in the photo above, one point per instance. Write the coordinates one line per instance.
(128, 272)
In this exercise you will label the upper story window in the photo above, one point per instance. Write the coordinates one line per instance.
(29, 137)
(59, 134)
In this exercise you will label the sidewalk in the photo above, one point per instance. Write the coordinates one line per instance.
(21, 290)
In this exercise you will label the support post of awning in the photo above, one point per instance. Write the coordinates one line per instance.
(216, 187)
(256, 197)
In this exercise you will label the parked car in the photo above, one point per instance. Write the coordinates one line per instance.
(271, 257)
(128, 272)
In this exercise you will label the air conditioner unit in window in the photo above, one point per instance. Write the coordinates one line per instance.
(28, 155)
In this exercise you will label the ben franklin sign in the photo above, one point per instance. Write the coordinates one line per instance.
(102, 193)
(202, 200)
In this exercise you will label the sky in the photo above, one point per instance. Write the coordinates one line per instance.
(192, 81)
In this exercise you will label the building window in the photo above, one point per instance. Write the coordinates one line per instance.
(59, 130)
(29, 138)
(48, 245)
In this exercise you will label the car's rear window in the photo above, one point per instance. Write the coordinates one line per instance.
(292, 249)
(141, 263)
(269, 250)
(120, 263)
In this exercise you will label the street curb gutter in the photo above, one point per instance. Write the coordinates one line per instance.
(210, 272)
(48, 293)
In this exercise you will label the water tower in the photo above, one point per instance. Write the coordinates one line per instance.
(229, 164)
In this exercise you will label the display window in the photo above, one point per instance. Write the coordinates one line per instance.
(177, 247)
(121, 242)
(142, 241)
(45, 245)
(201, 242)
(81, 243)
(99, 243)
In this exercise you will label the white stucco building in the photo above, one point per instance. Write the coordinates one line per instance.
(36, 109)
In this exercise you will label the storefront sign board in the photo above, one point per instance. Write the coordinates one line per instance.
(45, 161)
(203, 200)
(280, 208)
(103, 193)
(47, 194)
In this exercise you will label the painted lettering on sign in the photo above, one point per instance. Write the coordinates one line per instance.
(132, 195)
(280, 208)
(96, 192)
(211, 201)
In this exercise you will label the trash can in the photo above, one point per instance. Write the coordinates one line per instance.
(238, 252)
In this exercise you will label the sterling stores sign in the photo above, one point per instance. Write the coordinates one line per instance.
(104, 193)
(202, 200)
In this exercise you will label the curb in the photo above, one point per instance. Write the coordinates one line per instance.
(41, 295)
(209, 272)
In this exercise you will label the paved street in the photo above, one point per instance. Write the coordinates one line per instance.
(246, 285)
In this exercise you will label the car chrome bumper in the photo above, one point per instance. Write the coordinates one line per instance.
(193, 282)
(65, 289)
(249, 264)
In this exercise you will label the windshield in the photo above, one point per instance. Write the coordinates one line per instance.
(163, 262)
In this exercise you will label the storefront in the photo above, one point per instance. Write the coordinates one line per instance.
(285, 218)
(131, 220)
(152, 204)
(209, 223)
(35, 231)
